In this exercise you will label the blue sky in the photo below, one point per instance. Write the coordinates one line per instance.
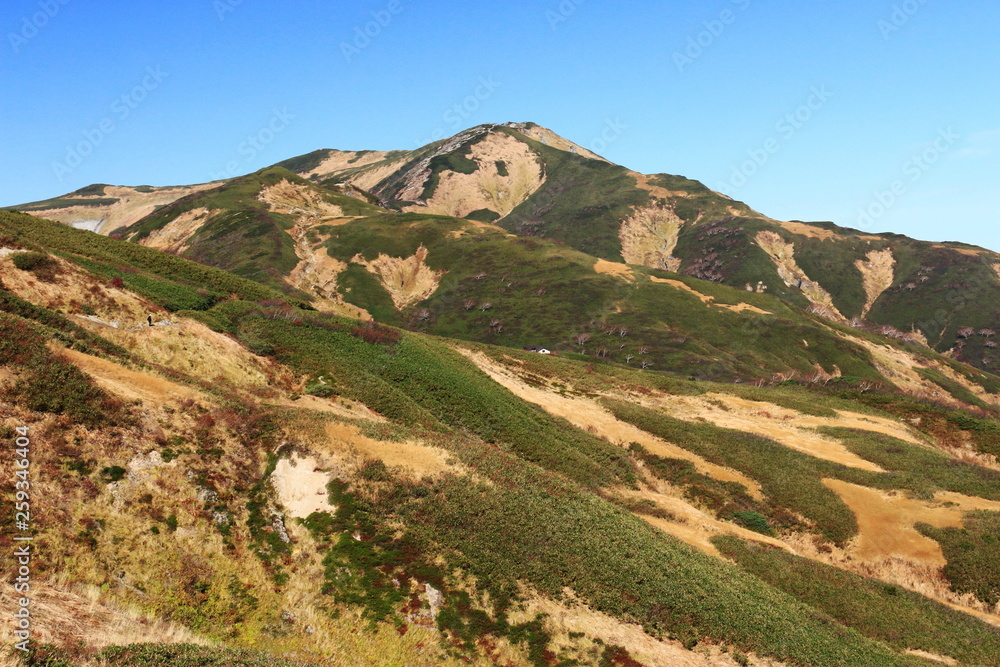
(872, 114)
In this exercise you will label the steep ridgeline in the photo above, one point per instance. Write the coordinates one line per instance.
(527, 180)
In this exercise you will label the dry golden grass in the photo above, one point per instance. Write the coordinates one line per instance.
(614, 269)
(788, 427)
(691, 524)
(191, 347)
(127, 383)
(65, 615)
(71, 288)
(347, 444)
(710, 300)
(587, 414)
(573, 616)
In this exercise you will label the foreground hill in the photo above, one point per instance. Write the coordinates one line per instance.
(253, 481)
(529, 181)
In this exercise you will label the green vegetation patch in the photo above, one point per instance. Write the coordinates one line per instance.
(973, 553)
(190, 655)
(884, 612)
(531, 526)
(56, 236)
(49, 383)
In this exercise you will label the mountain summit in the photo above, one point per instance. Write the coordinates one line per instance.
(532, 183)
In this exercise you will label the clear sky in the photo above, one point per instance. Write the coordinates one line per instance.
(877, 114)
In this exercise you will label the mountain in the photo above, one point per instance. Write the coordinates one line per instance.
(223, 473)
(527, 180)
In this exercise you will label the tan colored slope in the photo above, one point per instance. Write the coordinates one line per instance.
(174, 236)
(414, 458)
(550, 138)
(618, 269)
(709, 300)
(791, 428)
(368, 178)
(408, 280)
(131, 207)
(340, 161)
(298, 200)
(66, 617)
(691, 524)
(996, 268)
(649, 237)
(877, 275)
(783, 256)
(127, 383)
(586, 414)
(899, 368)
(565, 621)
(459, 194)
(72, 288)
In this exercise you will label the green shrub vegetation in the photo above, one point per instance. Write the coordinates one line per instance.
(972, 552)
(58, 237)
(900, 618)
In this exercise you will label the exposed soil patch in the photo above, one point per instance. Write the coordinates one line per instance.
(614, 269)
(301, 486)
(408, 280)
(783, 256)
(460, 194)
(649, 238)
(174, 236)
(877, 275)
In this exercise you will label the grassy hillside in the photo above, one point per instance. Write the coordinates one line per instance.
(301, 488)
